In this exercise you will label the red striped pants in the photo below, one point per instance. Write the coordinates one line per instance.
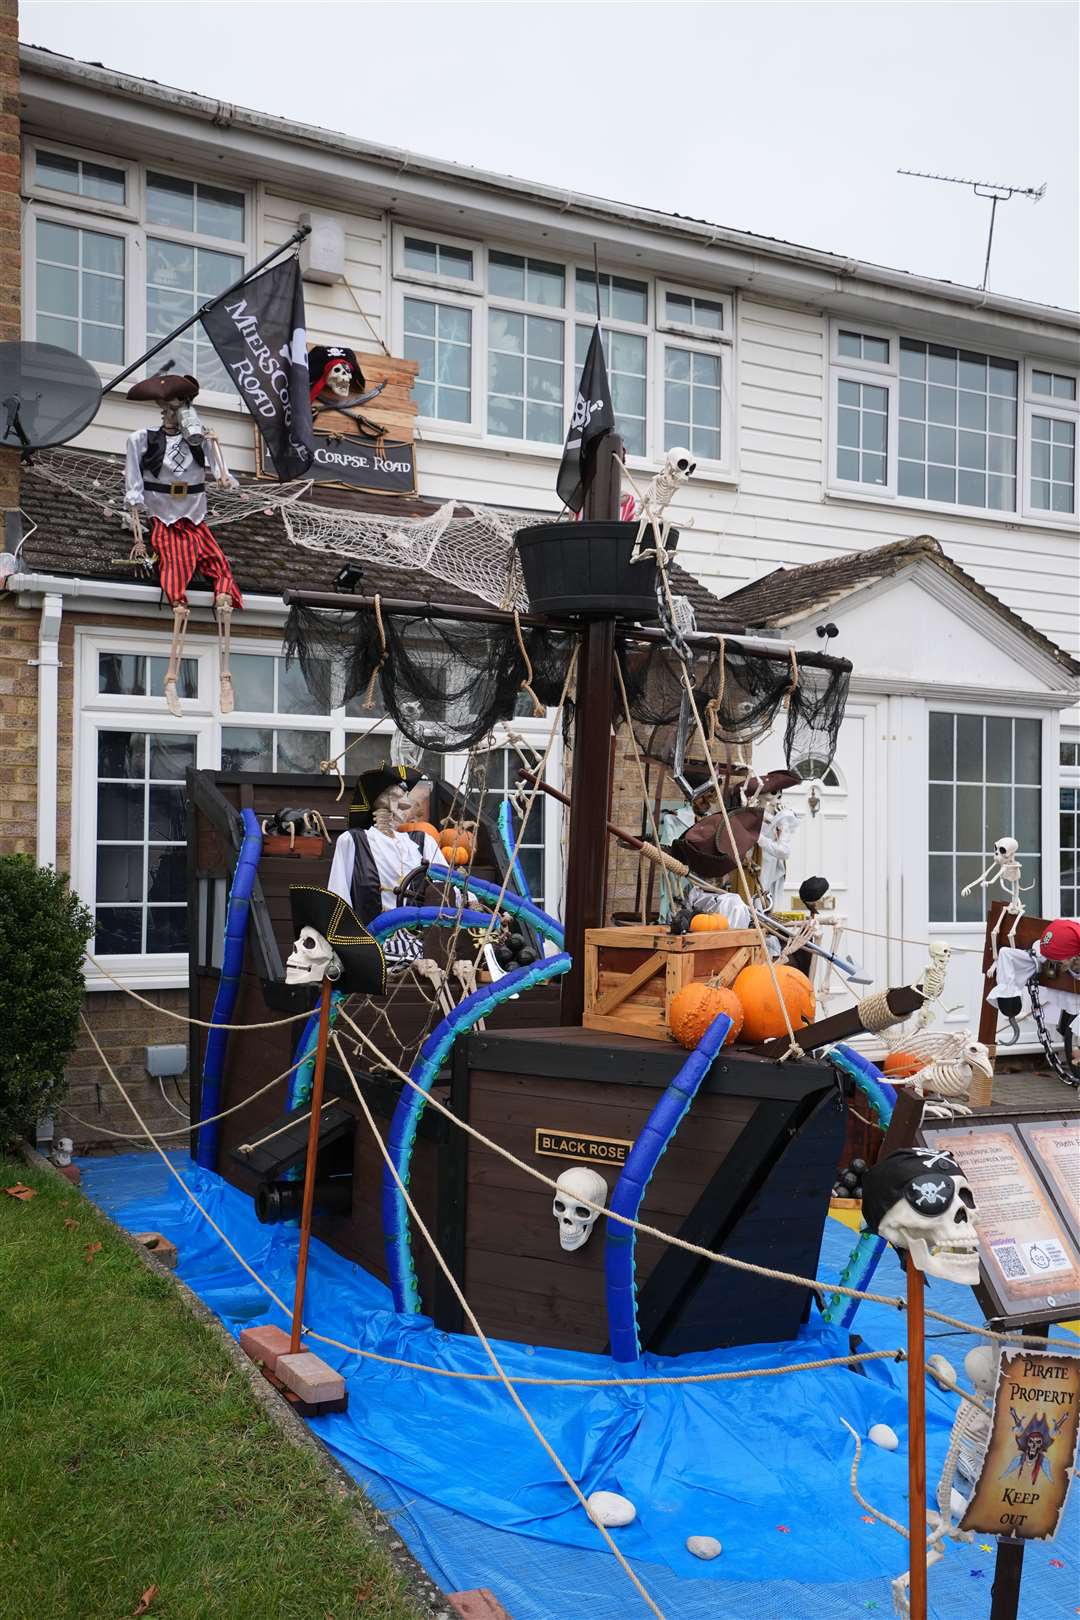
(182, 549)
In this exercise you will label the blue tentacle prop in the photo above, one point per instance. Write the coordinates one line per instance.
(399, 917)
(505, 825)
(653, 1140)
(868, 1247)
(232, 962)
(547, 926)
(410, 1107)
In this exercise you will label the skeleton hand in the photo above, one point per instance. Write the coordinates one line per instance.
(138, 549)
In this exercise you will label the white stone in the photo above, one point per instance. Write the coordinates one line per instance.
(609, 1509)
(884, 1437)
(703, 1546)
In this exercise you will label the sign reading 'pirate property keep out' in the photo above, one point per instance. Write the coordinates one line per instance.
(1028, 1464)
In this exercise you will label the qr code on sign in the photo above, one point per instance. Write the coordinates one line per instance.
(1010, 1260)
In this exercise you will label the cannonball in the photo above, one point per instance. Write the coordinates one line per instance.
(703, 1546)
(858, 1166)
(610, 1509)
(526, 956)
(504, 955)
(883, 1436)
(515, 940)
(849, 1179)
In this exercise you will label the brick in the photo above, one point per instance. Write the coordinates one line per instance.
(159, 1247)
(266, 1344)
(309, 1378)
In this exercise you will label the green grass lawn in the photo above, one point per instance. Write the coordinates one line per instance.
(133, 1454)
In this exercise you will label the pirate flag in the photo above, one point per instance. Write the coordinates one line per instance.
(593, 417)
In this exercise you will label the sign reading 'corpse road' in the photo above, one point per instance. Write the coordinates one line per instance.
(1029, 1461)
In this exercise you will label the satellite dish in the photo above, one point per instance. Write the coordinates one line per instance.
(47, 395)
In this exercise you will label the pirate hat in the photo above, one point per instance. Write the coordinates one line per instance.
(165, 386)
(1060, 940)
(363, 968)
(322, 357)
(369, 784)
(771, 782)
(707, 849)
(919, 1175)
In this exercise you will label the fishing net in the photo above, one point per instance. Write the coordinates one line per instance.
(446, 683)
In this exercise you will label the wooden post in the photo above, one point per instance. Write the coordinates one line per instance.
(586, 859)
(309, 1166)
(916, 1384)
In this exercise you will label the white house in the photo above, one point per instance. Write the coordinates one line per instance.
(835, 408)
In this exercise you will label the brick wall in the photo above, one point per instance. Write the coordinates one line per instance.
(18, 729)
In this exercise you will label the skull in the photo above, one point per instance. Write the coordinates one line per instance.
(920, 1200)
(576, 1220)
(339, 380)
(1005, 849)
(312, 960)
(396, 803)
(679, 464)
(62, 1151)
(939, 952)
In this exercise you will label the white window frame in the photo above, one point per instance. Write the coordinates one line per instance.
(552, 312)
(699, 334)
(429, 292)
(1058, 410)
(96, 711)
(129, 221)
(473, 285)
(718, 466)
(853, 370)
(1068, 777)
(37, 190)
(608, 323)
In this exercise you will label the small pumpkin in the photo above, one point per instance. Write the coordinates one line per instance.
(696, 1005)
(457, 854)
(420, 826)
(763, 1016)
(706, 922)
(455, 838)
(902, 1065)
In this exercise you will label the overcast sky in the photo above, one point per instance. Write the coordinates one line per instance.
(785, 119)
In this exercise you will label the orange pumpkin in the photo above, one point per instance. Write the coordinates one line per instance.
(763, 1017)
(421, 826)
(694, 1007)
(457, 855)
(455, 837)
(705, 922)
(903, 1065)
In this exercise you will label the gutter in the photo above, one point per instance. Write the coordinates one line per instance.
(566, 204)
(48, 668)
(139, 599)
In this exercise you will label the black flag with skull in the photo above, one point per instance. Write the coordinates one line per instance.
(593, 416)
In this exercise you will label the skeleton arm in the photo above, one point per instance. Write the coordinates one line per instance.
(985, 879)
(134, 493)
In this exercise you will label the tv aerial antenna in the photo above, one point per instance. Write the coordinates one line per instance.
(993, 190)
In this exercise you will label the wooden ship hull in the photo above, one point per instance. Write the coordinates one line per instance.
(750, 1171)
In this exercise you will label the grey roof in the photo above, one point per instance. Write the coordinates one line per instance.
(74, 537)
(789, 594)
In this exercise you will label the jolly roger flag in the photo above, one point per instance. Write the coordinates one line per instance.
(260, 337)
(593, 417)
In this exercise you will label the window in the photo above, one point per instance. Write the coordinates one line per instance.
(136, 675)
(439, 338)
(985, 776)
(264, 686)
(528, 281)
(140, 889)
(503, 767)
(918, 421)
(437, 259)
(525, 377)
(625, 354)
(1069, 821)
(696, 313)
(815, 769)
(79, 281)
(83, 279)
(80, 178)
(862, 426)
(957, 426)
(692, 401)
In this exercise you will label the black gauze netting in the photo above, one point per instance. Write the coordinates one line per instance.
(739, 693)
(446, 683)
(443, 683)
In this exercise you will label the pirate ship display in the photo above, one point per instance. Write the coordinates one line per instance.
(564, 1043)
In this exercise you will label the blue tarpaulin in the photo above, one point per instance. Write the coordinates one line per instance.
(762, 1464)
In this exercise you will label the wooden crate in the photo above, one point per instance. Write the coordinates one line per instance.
(631, 974)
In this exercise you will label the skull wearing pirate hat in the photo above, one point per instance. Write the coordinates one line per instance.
(369, 785)
(332, 943)
(323, 357)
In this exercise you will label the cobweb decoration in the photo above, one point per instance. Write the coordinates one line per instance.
(469, 547)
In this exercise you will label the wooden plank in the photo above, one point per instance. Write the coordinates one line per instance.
(627, 1026)
(648, 969)
(734, 966)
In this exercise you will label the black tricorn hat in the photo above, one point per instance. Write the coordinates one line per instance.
(165, 386)
(363, 968)
(322, 357)
(369, 784)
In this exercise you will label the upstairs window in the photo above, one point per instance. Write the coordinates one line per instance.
(79, 290)
(79, 177)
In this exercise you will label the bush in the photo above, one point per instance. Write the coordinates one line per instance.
(44, 928)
